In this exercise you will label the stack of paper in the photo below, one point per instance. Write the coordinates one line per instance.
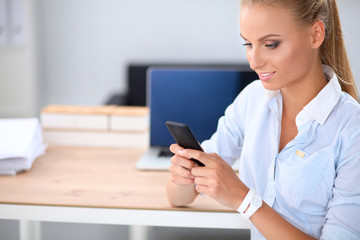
(96, 126)
(20, 144)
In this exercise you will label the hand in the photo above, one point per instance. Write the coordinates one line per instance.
(180, 168)
(217, 179)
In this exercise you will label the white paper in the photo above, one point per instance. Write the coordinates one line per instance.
(20, 144)
(8, 172)
(20, 164)
(16, 136)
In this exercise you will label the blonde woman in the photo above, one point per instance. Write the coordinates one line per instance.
(296, 130)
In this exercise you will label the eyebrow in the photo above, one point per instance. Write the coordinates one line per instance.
(264, 37)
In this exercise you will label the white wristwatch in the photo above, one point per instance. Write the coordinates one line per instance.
(251, 200)
(255, 204)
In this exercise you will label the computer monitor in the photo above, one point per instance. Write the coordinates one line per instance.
(195, 96)
(137, 73)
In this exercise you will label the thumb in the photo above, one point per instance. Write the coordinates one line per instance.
(194, 154)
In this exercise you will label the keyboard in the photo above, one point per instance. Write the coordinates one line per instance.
(165, 152)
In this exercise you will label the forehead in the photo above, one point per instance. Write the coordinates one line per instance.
(259, 20)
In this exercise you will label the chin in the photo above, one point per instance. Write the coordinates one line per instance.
(269, 86)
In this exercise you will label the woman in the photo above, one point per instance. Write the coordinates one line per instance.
(297, 130)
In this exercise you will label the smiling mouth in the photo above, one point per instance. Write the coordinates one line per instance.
(266, 76)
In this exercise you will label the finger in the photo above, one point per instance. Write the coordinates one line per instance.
(174, 148)
(186, 163)
(212, 160)
(201, 181)
(203, 189)
(215, 155)
(202, 172)
(207, 188)
(181, 172)
(195, 154)
(180, 180)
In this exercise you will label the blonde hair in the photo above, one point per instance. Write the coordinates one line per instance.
(332, 51)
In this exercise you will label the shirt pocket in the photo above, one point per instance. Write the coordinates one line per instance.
(301, 182)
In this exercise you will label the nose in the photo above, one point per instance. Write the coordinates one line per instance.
(255, 58)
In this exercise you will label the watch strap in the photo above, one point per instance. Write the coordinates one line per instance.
(255, 204)
(245, 203)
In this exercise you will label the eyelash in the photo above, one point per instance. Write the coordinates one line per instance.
(247, 45)
(270, 46)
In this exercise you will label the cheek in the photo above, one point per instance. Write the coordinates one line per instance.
(293, 60)
(248, 56)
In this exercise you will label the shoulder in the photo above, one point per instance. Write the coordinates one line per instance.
(348, 112)
(254, 87)
(249, 104)
(252, 92)
(347, 115)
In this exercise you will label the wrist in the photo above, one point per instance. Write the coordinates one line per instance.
(180, 195)
(244, 205)
(181, 185)
(251, 203)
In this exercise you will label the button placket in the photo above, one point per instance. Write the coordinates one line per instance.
(269, 195)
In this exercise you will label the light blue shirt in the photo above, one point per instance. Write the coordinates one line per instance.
(314, 182)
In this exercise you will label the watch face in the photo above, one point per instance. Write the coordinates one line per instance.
(257, 201)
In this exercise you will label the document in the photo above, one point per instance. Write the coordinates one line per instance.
(20, 144)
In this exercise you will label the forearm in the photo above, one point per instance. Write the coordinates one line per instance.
(179, 195)
(272, 226)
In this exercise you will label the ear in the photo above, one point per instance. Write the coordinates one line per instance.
(318, 34)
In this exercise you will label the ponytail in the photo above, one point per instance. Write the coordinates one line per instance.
(332, 51)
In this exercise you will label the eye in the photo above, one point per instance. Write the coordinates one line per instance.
(249, 45)
(272, 45)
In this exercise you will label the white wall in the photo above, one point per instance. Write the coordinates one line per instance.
(85, 45)
(349, 11)
(18, 76)
(88, 43)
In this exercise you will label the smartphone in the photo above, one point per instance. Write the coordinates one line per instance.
(184, 137)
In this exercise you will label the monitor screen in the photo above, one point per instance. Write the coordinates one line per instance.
(196, 97)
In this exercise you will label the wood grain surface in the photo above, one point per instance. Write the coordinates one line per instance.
(94, 177)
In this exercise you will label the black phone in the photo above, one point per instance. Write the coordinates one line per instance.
(184, 137)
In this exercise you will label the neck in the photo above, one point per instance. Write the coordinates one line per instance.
(299, 94)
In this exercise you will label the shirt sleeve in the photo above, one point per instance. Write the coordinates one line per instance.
(228, 139)
(343, 215)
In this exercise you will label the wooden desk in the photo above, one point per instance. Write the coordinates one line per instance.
(88, 185)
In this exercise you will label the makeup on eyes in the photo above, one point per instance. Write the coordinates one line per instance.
(268, 43)
(271, 45)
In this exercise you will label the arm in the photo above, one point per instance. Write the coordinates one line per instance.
(219, 181)
(180, 187)
(180, 195)
(273, 226)
(343, 215)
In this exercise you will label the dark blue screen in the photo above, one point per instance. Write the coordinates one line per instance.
(197, 97)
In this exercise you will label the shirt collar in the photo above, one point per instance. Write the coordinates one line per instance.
(321, 106)
(271, 93)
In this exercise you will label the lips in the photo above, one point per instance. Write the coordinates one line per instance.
(266, 76)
